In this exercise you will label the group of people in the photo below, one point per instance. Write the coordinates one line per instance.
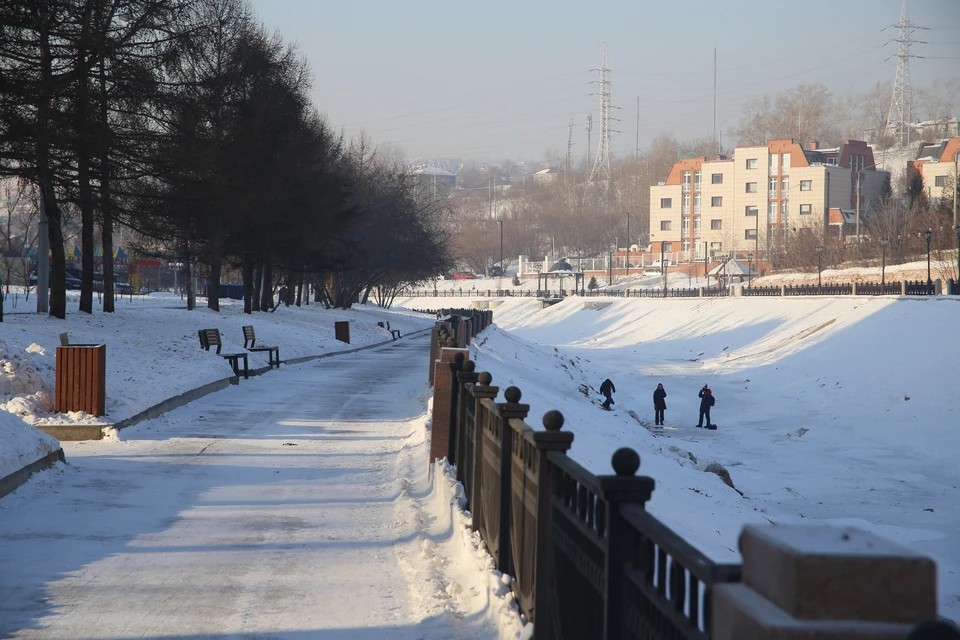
(660, 402)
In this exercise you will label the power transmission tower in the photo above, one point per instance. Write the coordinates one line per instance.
(588, 125)
(601, 167)
(566, 162)
(901, 104)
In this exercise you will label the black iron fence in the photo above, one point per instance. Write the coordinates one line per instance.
(587, 560)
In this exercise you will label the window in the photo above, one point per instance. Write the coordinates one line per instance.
(784, 187)
(751, 187)
(804, 209)
(774, 162)
(696, 227)
(696, 203)
(685, 225)
(715, 248)
(806, 185)
(773, 187)
(697, 178)
(751, 163)
(666, 203)
(685, 205)
(751, 211)
(668, 247)
(940, 181)
(686, 181)
(665, 225)
(749, 234)
(786, 163)
(716, 201)
(716, 178)
(784, 208)
(716, 225)
(771, 212)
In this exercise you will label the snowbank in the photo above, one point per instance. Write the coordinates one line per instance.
(21, 445)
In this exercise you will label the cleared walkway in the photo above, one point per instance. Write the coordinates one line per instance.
(286, 507)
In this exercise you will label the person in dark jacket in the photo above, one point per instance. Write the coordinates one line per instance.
(659, 404)
(706, 401)
(607, 390)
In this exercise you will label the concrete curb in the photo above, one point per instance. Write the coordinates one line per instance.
(12, 482)
(75, 432)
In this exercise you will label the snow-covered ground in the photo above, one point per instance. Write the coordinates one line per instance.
(296, 504)
(838, 410)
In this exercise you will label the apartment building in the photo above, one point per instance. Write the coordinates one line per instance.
(936, 164)
(748, 203)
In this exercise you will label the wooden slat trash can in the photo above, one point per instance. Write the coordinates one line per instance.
(81, 378)
(342, 331)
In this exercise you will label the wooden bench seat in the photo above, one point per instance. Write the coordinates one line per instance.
(209, 337)
(394, 333)
(249, 337)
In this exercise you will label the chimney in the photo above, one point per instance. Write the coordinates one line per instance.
(813, 145)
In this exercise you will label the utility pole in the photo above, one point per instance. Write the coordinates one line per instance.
(501, 247)
(900, 113)
(566, 162)
(715, 98)
(636, 151)
(628, 243)
(588, 125)
(601, 166)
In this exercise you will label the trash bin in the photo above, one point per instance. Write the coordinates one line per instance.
(342, 331)
(81, 378)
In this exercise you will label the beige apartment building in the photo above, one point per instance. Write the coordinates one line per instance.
(937, 164)
(745, 205)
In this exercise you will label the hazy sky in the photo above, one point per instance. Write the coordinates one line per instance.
(496, 80)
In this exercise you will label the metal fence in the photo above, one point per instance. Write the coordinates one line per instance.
(587, 560)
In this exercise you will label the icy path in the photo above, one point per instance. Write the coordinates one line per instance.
(287, 507)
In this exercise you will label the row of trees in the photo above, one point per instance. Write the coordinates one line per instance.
(189, 123)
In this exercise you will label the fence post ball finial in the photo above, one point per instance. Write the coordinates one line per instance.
(625, 461)
(469, 366)
(512, 394)
(553, 420)
(485, 378)
(458, 358)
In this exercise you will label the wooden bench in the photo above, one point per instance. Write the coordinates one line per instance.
(209, 337)
(249, 337)
(394, 333)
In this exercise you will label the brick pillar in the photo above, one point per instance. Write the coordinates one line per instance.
(853, 289)
(903, 287)
(438, 337)
(823, 583)
(783, 290)
(442, 402)
(467, 331)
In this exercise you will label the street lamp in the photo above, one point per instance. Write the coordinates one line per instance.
(957, 281)
(664, 267)
(610, 269)
(749, 269)
(500, 221)
(628, 243)
(883, 262)
(706, 257)
(927, 234)
(819, 249)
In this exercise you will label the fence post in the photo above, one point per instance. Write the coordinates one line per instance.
(467, 376)
(624, 487)
(456, 388)
(508, 410)
(783, 290)
(938, 287)
(444, 400)
(481, 391)
(553, 439)
(903, 287)
(853, 290)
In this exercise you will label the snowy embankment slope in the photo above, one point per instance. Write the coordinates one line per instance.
(153, 353)
(837, 410)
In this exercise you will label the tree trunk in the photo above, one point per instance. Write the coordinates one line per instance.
(106, 198)
(188, 270)
(213, 281)
(266, 287)
(82, 148)
(257, 280)
(247, 271)
(299, 288)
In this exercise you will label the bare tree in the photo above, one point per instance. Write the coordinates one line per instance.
(804, 113)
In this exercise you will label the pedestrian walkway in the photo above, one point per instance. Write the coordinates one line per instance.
(293, 506)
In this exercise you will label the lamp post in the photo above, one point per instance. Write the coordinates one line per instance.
(500, 221)
(927, 234)
(883, 262)
(957, 281)
(749, 269)
(819, 249)
(628, 243)
(664, 267)
(706, 266)
(610, 269)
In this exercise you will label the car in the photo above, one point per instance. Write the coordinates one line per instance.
(464, 275)
(73, 283)
(495, 271)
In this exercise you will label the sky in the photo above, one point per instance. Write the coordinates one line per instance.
(499, 80)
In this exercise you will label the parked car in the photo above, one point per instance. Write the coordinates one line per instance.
(464, 275)
(73, 283)
(495, 271)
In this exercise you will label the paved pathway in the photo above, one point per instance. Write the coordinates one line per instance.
(275, 509)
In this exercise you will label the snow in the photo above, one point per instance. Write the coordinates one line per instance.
(296, 504)
(21, 445)
(836, 410)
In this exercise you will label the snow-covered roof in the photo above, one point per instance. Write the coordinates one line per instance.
(730, 268)
(433, 171)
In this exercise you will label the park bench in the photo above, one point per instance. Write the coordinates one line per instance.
(394, 333)
(249, 337)
(209, 337)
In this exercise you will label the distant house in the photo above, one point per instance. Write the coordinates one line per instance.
(550, 174)
(434, 178)
(936, 164)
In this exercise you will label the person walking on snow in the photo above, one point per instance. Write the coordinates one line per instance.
(607, 390)
(659, 404)
(706, 401)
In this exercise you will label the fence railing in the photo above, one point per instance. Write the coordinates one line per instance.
(587, 560)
